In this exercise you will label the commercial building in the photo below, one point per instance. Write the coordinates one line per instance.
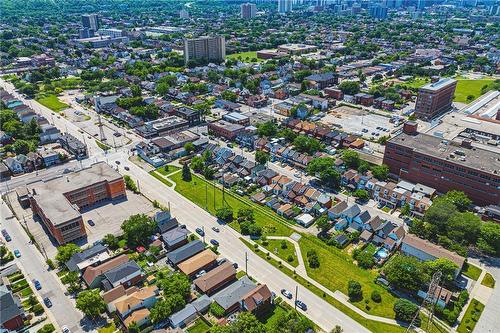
(191, 115)
(58, 201)
(445, 165)
(284, 6)
(297, 49)
(90, 21)
(248, 10)
(225, 129)
(72, 145)
(378, 12)
(162, 126)
(435, 98)
(205, 49)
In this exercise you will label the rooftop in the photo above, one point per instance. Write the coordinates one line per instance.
(433, 249)
(234, 293)
(475, 157)
(197, 262)
(215, 276)
(442, 83)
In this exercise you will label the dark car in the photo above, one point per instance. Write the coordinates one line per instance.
(126, 168)
(200, 231)
(214, 242)
(301, 305)
(37, 284)
(47, 302)
(90, 222)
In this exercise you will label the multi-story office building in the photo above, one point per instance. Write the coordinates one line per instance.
(445, 165)
(58, 201)
(284, 6)
(248, 10)
(205, 49)
(90, 21)
(435, 98)
(378, 12)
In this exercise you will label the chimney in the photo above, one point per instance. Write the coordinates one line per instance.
(410, 128)
(467, 143)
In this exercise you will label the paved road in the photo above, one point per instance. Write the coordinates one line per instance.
(33, 264)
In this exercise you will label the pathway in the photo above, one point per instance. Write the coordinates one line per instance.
(301, 268)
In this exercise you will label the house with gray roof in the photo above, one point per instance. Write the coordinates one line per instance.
(230, 297)
(175, 238)
(184, 252)
(91, 256)
(165, 221)
(11, 317)
(183, 317)
(126, 274)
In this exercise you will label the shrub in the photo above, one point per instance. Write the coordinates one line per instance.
(51, 264)
(405, 310)
(376, 296)
(312, 259)
(354, 290)
(47, 328)
(217, 310)
(37, 309)
(289, 258)
(283, 244)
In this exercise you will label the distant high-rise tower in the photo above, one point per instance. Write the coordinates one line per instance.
(248, 10)
(205, 48)
(90, 21)
(284, 6)
(183, 14)
(378, 12)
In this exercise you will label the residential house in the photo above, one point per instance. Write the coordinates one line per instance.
(336, 211)
(183, 317)
(129, 273)
(13, 165)
(201, 261)
(94, 275)
(184, 252)
(12, 310)
(92, 256)
(230, 298)
(257, 300)
(144, 297)
(216, 279)
(175, 238)
(50, 157)
(165, 221)
(424, 250)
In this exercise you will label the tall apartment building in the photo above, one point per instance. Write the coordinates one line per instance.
(378, 12)
(435, 98)
(205, 48)
(184, 14)
(58, 201)
(90, 21)
(248, 10)
(445, 165)
(284, 6)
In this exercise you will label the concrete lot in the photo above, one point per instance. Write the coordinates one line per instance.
(352, 120)
(107, 219)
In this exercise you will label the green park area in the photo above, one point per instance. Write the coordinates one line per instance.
(284, 249)
(336, 267)
(249, 56)
(52, 102)
(474, 88)
(471, 317)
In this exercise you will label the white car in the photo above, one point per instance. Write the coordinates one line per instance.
(201, 273)
(65, 329)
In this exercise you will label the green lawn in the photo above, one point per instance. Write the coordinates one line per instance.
(336, 269)
(240, 274)
(471, 271)
(207, 196)
(101, 145)
(372, 325)
(471, 317)
(416, 82)
(488, 281)
(53, 103)
(160, 178)
(109, 328)
(274, 246)
(245, 56)
(470, 87)
(199, 326)
(166, 169)
(270, 318)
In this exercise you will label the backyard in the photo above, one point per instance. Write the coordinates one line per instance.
(52, 102)
(199, 326)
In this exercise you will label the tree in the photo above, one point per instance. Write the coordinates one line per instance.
(361, 195)
(111, 241)
(349, 87)
(438, 215)
(65, 252)
(337, 329)
(224, 214)
(22, 147)
(228, 95)
(323, 224)
(365, 260)
(405, 272)
(319, 164)
(137, 230)
(133, 328)
(136, 90)
(381, 172)
(164, 308)
(375, 296)
(489, 238)
(351, 158)
(458, 198)
(363, 167)
(445, 266)
(305, 144)
(267, 129)
(208, 172)
(248, 323)
(197, 164)
(261, 157)
(313, 259)
(90, 302)
(246, 215)
(186, 173)
(354, 291)
(130, 184)
(189, 147)
(176, 283)
(405, 310)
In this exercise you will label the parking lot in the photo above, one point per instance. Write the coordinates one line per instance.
(107, 219)
(356, 121)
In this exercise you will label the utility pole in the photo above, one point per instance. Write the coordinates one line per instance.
(203, 228)
(296, 293)
(206, 196)
(246, 262)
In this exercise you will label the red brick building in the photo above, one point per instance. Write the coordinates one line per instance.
(445, 166)
(435, 98)
(57, 202)
(225, 129)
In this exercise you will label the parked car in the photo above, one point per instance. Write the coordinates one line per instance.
(215, 229)
(117, 134)
(47, 302)
(301, 305)
(214, 242)
(6, 235)
(200, 231)
(65, 329)
(117, 162)
(126, 168)
(235, 265)
(286, 293)
(220, 261)
(91, 223)
(201, 273)
(17, 253)
(37, 284)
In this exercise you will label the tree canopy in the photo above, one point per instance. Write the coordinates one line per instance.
(138, 229)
